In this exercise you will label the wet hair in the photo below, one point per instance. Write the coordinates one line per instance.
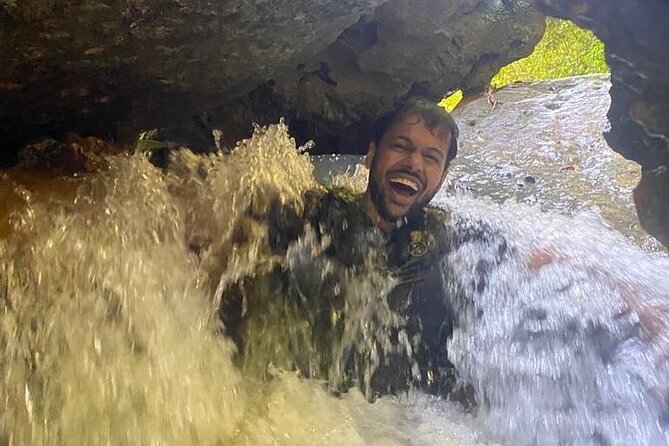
(432, 115)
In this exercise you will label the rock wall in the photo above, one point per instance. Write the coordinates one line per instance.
(404, 47)
(110, 68)
(635, 33)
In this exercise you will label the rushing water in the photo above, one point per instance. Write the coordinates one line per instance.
(107, 327)
(571, 351)
(109, 285)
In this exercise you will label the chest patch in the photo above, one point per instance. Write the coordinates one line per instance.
(418, 246)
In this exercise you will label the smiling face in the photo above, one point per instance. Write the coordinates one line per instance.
(407, 168)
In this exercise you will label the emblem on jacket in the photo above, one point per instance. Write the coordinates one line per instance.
(417, 247)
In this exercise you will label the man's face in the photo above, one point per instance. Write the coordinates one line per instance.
(407, 168)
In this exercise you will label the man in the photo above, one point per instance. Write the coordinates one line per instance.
(408, 161)
(360, 297)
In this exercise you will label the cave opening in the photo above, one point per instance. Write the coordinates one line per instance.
(564, 50)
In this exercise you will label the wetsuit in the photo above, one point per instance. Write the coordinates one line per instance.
(299, 316)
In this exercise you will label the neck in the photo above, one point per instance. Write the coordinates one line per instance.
(371, 211)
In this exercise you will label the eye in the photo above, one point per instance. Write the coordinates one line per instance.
(432, 159)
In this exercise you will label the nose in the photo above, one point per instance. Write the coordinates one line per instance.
(415, 161)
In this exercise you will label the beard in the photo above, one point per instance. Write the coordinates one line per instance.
(377, 196)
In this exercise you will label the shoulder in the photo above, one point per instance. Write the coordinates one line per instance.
(472, 231)
(435, 223)
(335, 206)
(478, 248)
(285, 221)
(332, 212)
(454, 232)
(339, 198)
(436, 217)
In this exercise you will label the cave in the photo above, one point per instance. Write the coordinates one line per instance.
(111, 69)
(150, 162)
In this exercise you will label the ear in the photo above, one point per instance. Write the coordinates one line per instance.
(371, 150)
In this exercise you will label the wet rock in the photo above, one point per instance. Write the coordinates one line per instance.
(553, 157)
(635, 33)
(403, 48)
(112, 68)
(74, 155)
(650, 197)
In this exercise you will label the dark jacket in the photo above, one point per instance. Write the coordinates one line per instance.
(351, 304)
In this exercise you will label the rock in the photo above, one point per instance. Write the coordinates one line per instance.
(74, 155)
(650, 198)
(112, 68)
(635, 34)
(552, 157)
(405, 48)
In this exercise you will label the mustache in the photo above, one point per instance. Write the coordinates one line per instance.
(420, 178)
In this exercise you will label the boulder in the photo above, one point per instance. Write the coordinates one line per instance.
(635, 34)
(74, 155)
(110, 68)
(404, 47)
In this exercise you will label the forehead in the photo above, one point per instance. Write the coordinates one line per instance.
(412, 125)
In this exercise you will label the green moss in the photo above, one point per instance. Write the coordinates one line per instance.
(564, 50)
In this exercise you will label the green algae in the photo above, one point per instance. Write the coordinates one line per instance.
(564, 50)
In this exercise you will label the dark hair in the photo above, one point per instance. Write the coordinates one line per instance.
(432, 114)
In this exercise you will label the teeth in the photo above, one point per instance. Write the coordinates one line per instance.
(407, 182)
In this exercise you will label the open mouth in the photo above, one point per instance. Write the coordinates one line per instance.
(404, 187)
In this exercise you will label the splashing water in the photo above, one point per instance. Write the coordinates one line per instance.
(108, 331)
(572, 350)
(109, 334)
